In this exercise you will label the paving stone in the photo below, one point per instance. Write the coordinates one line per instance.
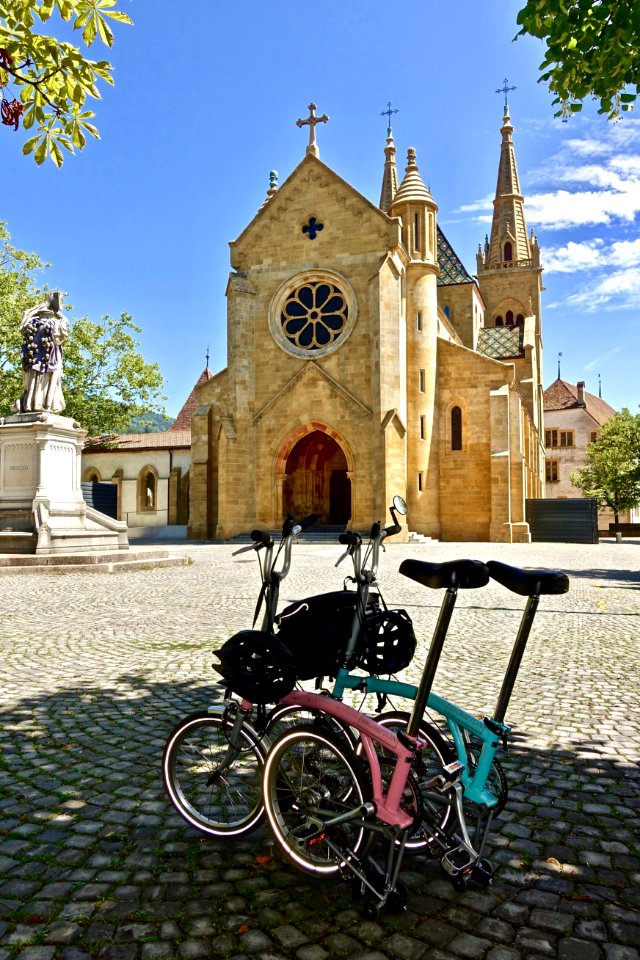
(573, 949)
(103, 860)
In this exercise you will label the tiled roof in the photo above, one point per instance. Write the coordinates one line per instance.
(451, 268)
(564, 396)
(501, 343)
(183, 420)
(168, 440)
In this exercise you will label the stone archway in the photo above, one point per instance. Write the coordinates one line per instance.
(315, 471)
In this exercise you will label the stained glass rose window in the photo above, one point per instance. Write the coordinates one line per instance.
(314, 315)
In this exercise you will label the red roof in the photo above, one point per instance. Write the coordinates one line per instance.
(564, 396)
(183, 420)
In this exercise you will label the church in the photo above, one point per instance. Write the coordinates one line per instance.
(364, 361)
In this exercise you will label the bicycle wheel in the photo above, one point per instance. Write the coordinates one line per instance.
(438, 813)
(215, 787)
(283, 718)
(310, 776)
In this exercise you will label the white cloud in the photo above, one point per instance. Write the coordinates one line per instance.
(615, 290)
(574, 256)
(600, 361)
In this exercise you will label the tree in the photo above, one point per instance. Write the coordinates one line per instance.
(18, 291)
(53, 77)
(593, 49)
(612, 473)
(106, 380)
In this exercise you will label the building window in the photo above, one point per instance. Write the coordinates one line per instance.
(552, 471)
(519, 320)
(148, 490)
(447, 312)
(419, 320)
(594, 437)
(499, 322)
(423, 428)
(558, 438)
(421, 381)
(420, 483)
(456, 428)
(508, 251)
(509, 318)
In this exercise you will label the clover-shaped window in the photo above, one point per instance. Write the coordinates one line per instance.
(314, 315)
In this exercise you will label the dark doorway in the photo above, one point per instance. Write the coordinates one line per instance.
(317, 480)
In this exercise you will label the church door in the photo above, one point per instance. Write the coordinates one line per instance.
(316, 480)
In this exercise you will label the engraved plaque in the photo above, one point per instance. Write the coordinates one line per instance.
(19, 473)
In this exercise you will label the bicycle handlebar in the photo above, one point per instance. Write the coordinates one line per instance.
(304, 524)
(262, 537)
(350, 538)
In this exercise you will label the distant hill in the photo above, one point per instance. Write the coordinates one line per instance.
(150, 423)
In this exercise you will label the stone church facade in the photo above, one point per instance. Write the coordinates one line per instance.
(364, 361)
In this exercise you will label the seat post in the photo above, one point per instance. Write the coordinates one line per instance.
(516, 657)
(433, 658)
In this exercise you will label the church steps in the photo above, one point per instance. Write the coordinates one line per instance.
(90, 563)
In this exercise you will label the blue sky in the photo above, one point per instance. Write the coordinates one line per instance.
(205, 106)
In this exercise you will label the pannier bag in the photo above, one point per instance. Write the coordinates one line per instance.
(317, 629)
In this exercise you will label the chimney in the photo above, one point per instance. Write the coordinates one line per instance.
(581, 400)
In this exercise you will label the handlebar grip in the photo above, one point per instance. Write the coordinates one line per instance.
(260, 536)
(350, 538)
(392, 530)
(308, 521)
(375, 530)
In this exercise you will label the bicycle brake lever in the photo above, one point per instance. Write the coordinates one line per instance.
(340, 559)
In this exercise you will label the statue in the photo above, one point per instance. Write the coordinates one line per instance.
(43, 332)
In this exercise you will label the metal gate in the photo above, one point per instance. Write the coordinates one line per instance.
(574, 520)
(102, 497)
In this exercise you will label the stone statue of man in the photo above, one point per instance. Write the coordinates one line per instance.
(43, 331)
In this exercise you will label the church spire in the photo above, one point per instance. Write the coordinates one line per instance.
(390, 175)
(509, 242)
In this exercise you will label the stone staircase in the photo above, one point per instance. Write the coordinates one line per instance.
(108, 562)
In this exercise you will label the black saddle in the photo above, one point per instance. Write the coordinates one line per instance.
(466, 574)
(529, 582)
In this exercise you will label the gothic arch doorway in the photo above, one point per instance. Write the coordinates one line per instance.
(316, 479)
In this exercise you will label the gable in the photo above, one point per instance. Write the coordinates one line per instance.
(314, 213)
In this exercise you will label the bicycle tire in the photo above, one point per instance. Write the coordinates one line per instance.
(438, 818)
(311, 775)
(283, 718)
(216, 792)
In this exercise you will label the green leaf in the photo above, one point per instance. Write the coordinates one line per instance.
(40, 154)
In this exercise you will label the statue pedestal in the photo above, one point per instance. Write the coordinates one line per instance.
(42, 510)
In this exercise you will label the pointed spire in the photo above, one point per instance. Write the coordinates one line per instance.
(509, 241)
(390, 175)
(273, 187)
(413, 188)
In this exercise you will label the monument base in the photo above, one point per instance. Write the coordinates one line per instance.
(42, 509)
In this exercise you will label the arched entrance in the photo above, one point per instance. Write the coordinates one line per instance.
(316, 479)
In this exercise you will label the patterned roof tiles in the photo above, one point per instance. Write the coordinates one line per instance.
(501, 343)
(451, 267)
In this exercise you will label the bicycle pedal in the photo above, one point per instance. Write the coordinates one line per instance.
(449, 775)
(459, 860)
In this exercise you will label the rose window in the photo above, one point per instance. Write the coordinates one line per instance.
(314, 315)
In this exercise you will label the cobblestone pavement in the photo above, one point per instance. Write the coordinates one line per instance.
(95, 863)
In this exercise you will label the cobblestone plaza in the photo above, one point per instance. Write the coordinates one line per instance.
(95, 862)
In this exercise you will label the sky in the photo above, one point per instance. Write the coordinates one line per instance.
(205, 105)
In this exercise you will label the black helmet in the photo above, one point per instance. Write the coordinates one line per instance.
(256, 666)
(389, 642)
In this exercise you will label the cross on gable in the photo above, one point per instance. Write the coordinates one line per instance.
(311, 121)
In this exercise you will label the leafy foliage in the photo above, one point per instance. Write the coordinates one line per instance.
(106, 381)
(54, 77)
(593, 49)
(18, 292)
(612, 473)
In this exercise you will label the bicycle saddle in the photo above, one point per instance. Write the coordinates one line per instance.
(529, 582)
(466, 574)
